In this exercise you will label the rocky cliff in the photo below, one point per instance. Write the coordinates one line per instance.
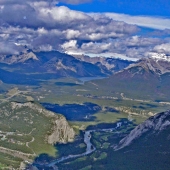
(107, 65)
(153, 126)
(61, 131)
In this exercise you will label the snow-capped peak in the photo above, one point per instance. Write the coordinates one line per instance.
(158, 57)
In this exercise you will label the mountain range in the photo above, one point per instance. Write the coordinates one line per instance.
(63, 64)
(35, 66)
(148, 78)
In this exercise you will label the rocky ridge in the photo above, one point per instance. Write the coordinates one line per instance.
(155, 124)
(51, 62)
(157, 64)
(106, 64)
(15, 59)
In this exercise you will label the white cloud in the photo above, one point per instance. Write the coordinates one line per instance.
(145, 21)
(9, 48)
(162, 48)
(70, 45)
(42, 25)
(60, 14)
(72, 34)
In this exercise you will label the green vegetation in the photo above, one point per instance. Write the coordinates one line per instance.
(29, 127)
(9, 161)
(150, 152)
(23, 129)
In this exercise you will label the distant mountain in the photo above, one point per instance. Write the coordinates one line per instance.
(148, 79)
(157, 64)
(16, 78)
(109, 65)
(63, 64)
(23, 57)
(50, 62)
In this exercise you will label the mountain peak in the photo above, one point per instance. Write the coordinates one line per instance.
(21, 58)
(156, 63)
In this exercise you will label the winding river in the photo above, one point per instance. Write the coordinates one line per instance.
(89, 146)
(89, 149)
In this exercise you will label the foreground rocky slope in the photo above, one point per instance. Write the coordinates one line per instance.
(154, 126)
(27, 130)
(60, 132)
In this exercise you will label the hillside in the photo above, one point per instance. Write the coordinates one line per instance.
(154, 127)
(147, 79)
(144, 147)
(27, 130)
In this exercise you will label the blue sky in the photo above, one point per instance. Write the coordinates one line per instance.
(124, 28)
(146, 13)
(131, 7)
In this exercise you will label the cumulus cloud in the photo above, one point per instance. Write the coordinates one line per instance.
(145, 21)
(134, 47)
(162, 48)
(7, 48)
(41, 25)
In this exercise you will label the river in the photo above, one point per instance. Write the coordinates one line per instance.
(89, 146)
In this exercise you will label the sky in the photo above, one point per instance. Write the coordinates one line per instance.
(135, 7)
(123, 28)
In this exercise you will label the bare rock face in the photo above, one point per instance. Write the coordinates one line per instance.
(109, 65)
(155, 124)
(61, 132)
(13, 59)
(158, 64)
